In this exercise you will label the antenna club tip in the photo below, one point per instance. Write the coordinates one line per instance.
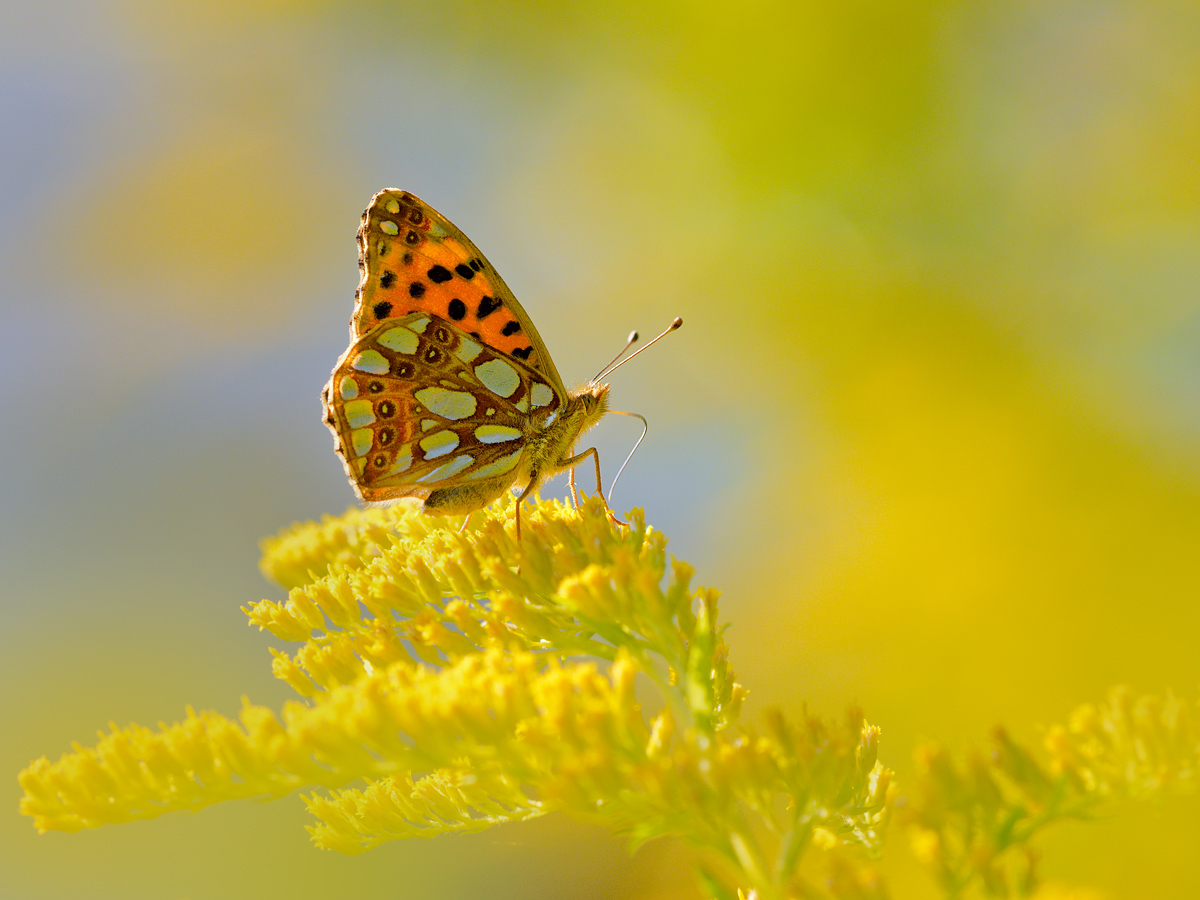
(677, 323)
(633, 336)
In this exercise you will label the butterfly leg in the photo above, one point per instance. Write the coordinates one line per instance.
(525, 493)
(466, 522)
(571, 483)
(571, 462)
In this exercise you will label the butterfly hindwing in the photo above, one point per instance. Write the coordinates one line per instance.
(414, 260)
(417, 405)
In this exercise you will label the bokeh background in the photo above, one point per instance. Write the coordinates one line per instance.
(932, 425)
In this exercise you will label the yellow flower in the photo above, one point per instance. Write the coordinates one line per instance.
(974, 821)
(473, 680)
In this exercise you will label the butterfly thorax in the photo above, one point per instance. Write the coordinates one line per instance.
(549, 440)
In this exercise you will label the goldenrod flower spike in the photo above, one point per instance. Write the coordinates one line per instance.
(137, 773)
(448, 801)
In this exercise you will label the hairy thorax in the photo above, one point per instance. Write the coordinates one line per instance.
(550, 438)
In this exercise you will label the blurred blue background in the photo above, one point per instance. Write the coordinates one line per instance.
(932, 424)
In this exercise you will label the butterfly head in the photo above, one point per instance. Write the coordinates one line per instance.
(593, 404)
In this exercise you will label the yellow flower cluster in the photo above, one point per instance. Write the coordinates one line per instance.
(467, 680)
(972, 823)
(474, 680)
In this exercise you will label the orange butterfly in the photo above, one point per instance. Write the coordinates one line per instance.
(447, 393)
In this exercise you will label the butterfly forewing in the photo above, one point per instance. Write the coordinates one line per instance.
(417, 404)
(414, 260)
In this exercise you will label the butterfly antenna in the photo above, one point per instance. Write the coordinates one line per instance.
(633, 336)
(618, 362)
(645, 428)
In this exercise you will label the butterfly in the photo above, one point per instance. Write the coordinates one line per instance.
(447, 393)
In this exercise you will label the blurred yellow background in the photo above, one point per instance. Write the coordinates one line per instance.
(932, 424)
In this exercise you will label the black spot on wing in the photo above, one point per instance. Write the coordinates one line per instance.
(522, 352)
(387, 279)
(416, 290)
(438, 274)
(464, 271)
(457, 310)
(510, 328)
(381, 309)
(487, 306)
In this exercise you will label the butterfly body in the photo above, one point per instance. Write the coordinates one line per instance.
(447, 393)
(546, 452)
